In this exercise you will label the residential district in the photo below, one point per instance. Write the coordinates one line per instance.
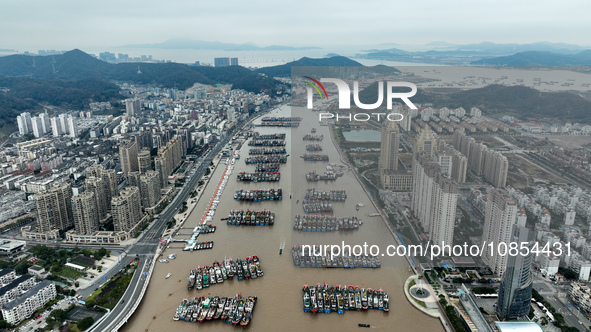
(97, 178)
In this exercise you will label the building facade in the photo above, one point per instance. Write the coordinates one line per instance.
(434, 199)
(499, 218)
(516, 285)
(54, 208)
(126, 209)
(86, 214)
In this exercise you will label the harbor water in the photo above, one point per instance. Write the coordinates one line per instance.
(279, 291)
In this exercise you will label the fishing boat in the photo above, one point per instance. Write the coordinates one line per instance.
(313, 300)
(248, 309)
(190, 279)
(306, 298)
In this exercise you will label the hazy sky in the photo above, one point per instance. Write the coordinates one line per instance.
(66, 24)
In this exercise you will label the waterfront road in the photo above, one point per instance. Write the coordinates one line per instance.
(126, 302)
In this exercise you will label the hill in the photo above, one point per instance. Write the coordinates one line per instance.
(285, 70)
(29, 94)
(77, 65)
(538, 58)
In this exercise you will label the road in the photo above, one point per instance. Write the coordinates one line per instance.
(148, 242)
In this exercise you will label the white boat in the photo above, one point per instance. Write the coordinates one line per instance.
(172, 256)
(168, 275)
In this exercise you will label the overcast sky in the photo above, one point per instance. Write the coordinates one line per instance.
(67, 24)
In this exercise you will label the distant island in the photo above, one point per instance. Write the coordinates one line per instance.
(538, 58)
(487, 53)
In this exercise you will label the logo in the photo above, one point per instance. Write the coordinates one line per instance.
(316, 88)
(345, 93)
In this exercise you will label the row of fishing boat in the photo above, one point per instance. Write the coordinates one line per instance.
(316, 206)
(270, 159)
(233, 310)
(309, 137)
(203, 277)
(326, 176)
(266, 142)
(315, 157)
(322, 223)
(345, 260)
(313, 147)
(258, 195)
(215, 200)
(267, 168)
(199, 246)
(259, 176)
(250, 218)
(256, 134)
(332, 195)
(260, 151)
(325, 298)
(281, 118)
(206, 228)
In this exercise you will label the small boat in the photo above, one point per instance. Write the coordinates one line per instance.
(363, 325)
(168, 275)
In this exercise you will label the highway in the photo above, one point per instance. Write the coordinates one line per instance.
(148, 242)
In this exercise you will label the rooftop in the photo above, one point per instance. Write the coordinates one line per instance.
(34, 290)
(518, 326)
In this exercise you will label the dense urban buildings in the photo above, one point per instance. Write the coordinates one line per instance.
(481, 160)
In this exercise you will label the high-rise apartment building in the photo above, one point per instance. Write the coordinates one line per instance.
(434, 198)
(144, 160)
(221, 62)
(500, 216)
(24, 123)
(128, 152)
(150, 188)
(85, 211)
(126, 209)
(72, 127)
(132, 106)
(172, 153)
(54, 208)
(426, 142)
(481, 160)
(389, 147)
(98, 186)
(515, 290)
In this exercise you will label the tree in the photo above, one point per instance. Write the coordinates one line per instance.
(23, 268)
(570, 274)
(85, 323)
